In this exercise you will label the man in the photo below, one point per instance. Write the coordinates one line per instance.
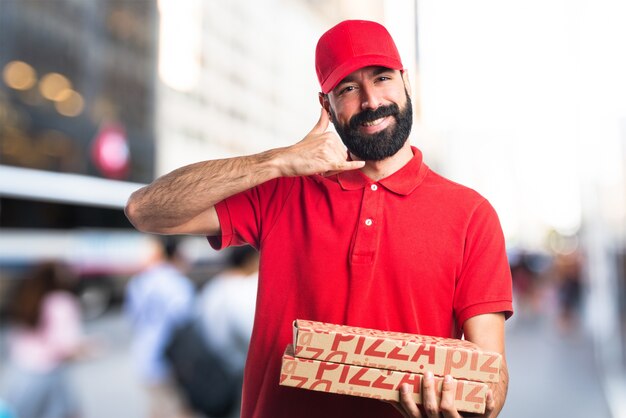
(370, 237)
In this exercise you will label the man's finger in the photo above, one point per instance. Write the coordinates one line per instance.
(429, 395)
(322, 123)
(490, 403)
(351, 165)
(345, 166)
(448, 391)
(407, 403)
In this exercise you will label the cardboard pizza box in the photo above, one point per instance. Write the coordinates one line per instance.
(369, 382)
(395, 351)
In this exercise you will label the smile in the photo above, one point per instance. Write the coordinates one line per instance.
(376, 125)
(374, 122)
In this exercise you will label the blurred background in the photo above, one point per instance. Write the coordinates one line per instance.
(525, 101)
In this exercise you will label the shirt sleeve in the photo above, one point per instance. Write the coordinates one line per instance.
(484, 284)
(247, 217)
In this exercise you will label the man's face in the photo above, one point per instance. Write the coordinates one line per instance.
(372, 113)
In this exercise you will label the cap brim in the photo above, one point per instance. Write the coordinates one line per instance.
(357, 63)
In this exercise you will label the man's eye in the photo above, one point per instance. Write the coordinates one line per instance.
(383, 78)
(346, 89)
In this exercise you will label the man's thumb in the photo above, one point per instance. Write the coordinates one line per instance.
(322, 123)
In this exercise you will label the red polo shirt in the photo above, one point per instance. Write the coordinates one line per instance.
(413, 252)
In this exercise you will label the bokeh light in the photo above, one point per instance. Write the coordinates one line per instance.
(71, 105)
(19, 75)
(54, 86)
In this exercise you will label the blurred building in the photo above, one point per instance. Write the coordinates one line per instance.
(238, 77)
(77, 133)
(77, 97)
(100, 97)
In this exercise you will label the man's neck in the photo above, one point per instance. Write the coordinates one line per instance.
(378, 170)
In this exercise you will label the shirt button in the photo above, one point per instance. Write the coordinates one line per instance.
(368, 222)
(374, 187)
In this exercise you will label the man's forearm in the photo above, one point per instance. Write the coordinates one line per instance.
(179, 201)
(177, 197)
(487, 331)
(500, 390)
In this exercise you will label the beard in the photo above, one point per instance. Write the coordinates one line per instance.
(383, 144)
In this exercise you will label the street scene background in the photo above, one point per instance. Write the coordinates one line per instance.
(521, 100)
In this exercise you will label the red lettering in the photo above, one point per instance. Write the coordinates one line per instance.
(327, 384)
(301, 380)
(339, 338)
(340, 357)
(380, 382)
(423, 350)
(474, 361)
(289, 367)
(414, 380)
(371, 350)
(322, 367)
(356, 379)
(318, 327)
(344, 373)
(486, 367)
(306, 338)
(475, 395)
(359, 345)
(459, 390)
(395, 354)
(456, 364)
(316, 352)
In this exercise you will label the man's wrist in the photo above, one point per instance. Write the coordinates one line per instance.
(274, 163)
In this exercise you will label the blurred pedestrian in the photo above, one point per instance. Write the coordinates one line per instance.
(526, 286)
(158, 299)
(208, 352)
(569, 288)
(45, 334)
(226, 307)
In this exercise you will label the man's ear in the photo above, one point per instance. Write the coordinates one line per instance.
(323, 98)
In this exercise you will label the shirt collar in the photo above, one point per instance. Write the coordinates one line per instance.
(402, 182)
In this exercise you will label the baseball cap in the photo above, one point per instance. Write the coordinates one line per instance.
(350, 45)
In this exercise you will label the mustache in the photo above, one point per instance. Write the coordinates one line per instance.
(370, 115)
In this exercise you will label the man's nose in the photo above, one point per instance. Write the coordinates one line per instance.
(369, 98)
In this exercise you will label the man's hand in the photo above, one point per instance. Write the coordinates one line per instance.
(432, 405)
(320, 152)
(486, 331)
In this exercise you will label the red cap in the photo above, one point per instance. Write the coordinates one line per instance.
(351, 45)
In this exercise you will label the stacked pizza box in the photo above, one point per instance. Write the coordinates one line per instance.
(374, 363)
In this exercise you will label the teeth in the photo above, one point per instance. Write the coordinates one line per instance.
(374, 122)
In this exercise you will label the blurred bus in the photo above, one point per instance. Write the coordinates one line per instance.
(79, 220)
